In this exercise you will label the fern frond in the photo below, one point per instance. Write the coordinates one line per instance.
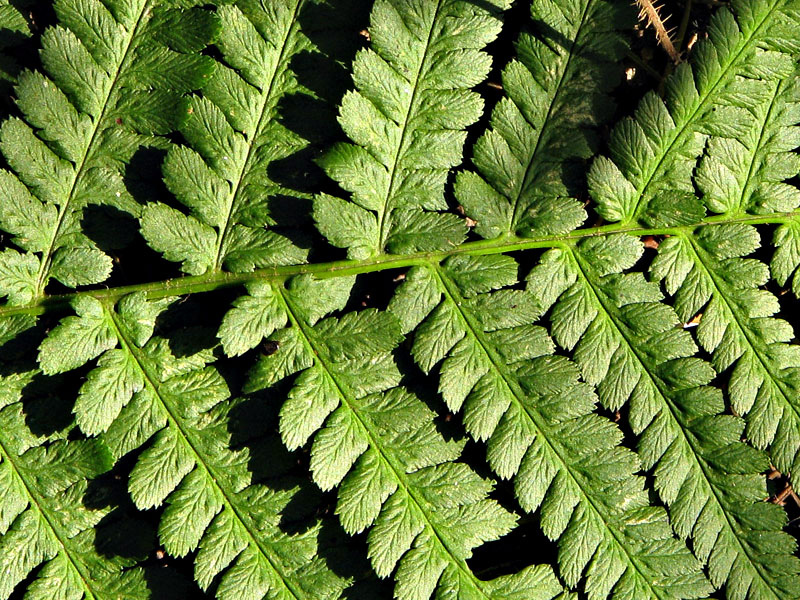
(227, 177)
(50, 533)
(557, 95)
(497, 368)
(376, 442)
(114, 81)
(745, 171)
(142, 392)
(338, 472)
(406, 119)
(626, 341)
(653, 154)
(93, 334)
(709, 277)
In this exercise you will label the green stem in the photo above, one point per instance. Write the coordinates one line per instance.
(687, 12)
(220, 280)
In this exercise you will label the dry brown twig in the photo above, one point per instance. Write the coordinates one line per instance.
(649, 12)
(786, 494)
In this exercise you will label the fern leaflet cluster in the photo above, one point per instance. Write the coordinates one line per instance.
(300, 303)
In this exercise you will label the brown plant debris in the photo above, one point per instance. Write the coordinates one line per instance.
(650, 12)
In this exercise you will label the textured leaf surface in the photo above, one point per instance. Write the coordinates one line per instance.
(542, 130)
(49, 534)
(238, 131)
(112, 83)
(631, 349)
(536, 417)
(396, 474)
(315, 354)
(406, 120)
(653, 153)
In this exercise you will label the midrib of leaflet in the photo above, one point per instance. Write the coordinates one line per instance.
(173, 422)
(47, 257)
(396, 470)
(263, 114)
(401, 145)
(687, 127)
(451, 295)
(84, 578)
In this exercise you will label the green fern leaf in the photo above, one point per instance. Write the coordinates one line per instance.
(49, 532)
(545, 126)
(406, 120)
(537, 420)
(285, 427)
(747, 173)
(237, 220)
(626, 342)
(213, 503)
(709, 277)
(113, 83)
(654, 153)
(381, 449)
(116, 377)
(738, 327)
